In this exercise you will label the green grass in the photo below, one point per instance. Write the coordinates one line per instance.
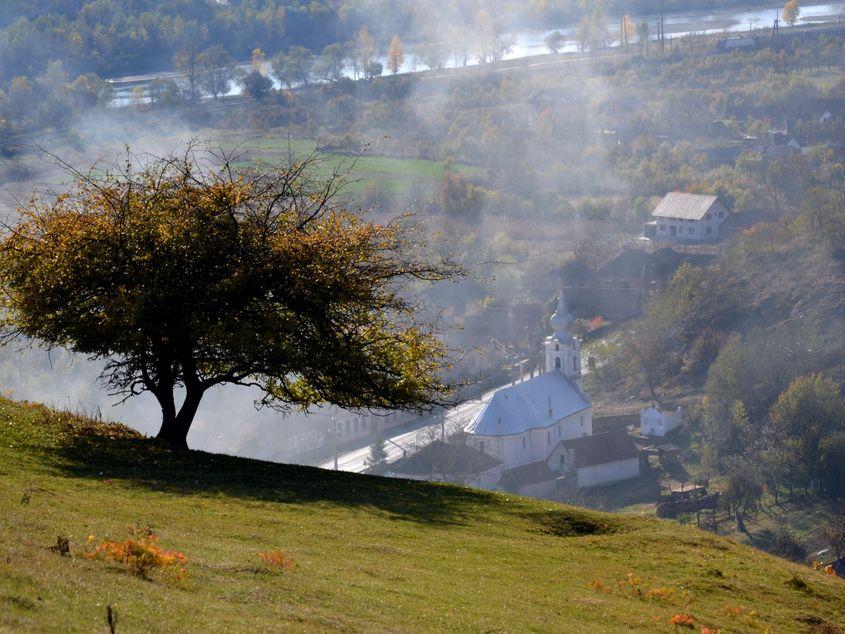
(394, 174)
(373, 554)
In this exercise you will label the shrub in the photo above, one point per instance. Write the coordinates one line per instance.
(682, 620)
(660, 594)
(139, 554)
(277, 560)
(595, 323)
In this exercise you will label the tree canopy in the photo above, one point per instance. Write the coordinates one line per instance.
(186, 273)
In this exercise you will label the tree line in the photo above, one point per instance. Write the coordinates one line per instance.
(115, 37)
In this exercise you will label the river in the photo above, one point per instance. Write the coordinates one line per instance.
(528, 43)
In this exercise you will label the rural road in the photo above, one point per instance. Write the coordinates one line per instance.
(462, 414)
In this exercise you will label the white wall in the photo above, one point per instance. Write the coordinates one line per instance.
(538, 443)
(694, 231)
(609, 472)
(656, 423)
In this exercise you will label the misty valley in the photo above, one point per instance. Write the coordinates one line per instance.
(315, 311)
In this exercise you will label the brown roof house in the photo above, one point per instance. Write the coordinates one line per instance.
(690, 218)
(534, 479)
(450, 462)
(600, 459)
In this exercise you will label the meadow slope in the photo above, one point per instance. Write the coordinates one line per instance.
(371, 554)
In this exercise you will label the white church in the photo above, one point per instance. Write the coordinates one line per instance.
(542, 428)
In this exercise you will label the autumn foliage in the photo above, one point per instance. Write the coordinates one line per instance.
(139, 554)
(682, 620)
(277, 560)
(190, 273)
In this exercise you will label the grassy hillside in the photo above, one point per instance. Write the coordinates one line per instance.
(372, 554)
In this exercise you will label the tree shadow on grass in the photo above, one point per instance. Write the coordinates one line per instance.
(147, 464)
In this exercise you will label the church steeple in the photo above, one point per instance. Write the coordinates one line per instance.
(562, 349)
(561, 319)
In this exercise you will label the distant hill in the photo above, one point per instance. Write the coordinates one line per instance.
(372, 554)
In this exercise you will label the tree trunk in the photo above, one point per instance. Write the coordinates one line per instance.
(740, 522)
(175, 427)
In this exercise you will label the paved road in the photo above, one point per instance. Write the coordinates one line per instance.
(459, 415)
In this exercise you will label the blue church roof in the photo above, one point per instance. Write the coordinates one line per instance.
(525, 406)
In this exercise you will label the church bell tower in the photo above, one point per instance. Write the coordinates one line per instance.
(562, 349)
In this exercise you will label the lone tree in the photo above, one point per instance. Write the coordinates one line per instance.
(395, 55)
(187, 273)
(791, 12)
(555, 42)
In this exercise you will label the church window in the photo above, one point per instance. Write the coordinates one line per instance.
(548, 438)
(524, 442)
(559, 431)
(481, 446)
(557, 363)
(557, 347)
(574, 366)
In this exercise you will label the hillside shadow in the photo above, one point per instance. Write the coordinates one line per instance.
(144, 463)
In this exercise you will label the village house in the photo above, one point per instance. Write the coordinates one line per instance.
(449, 462)
(654, 422)
(600, 459)
(618, 289)
(682, 217)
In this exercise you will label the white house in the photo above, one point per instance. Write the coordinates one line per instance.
(600, 459)
(525, 426)
(653, 422)
(682, 217)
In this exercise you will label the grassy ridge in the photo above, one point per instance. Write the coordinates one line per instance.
(372, 554)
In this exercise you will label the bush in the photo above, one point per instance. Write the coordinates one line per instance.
(140, 554)
(277, 560)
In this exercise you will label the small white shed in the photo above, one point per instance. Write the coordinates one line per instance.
(653, 422)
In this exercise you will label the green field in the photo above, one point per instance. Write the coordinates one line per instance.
(371, 554)
(394, 174)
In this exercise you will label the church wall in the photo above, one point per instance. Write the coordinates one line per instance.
(539, 443)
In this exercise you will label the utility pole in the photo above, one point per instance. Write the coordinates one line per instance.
(661, 29)
(334, 438)
(290, 152)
